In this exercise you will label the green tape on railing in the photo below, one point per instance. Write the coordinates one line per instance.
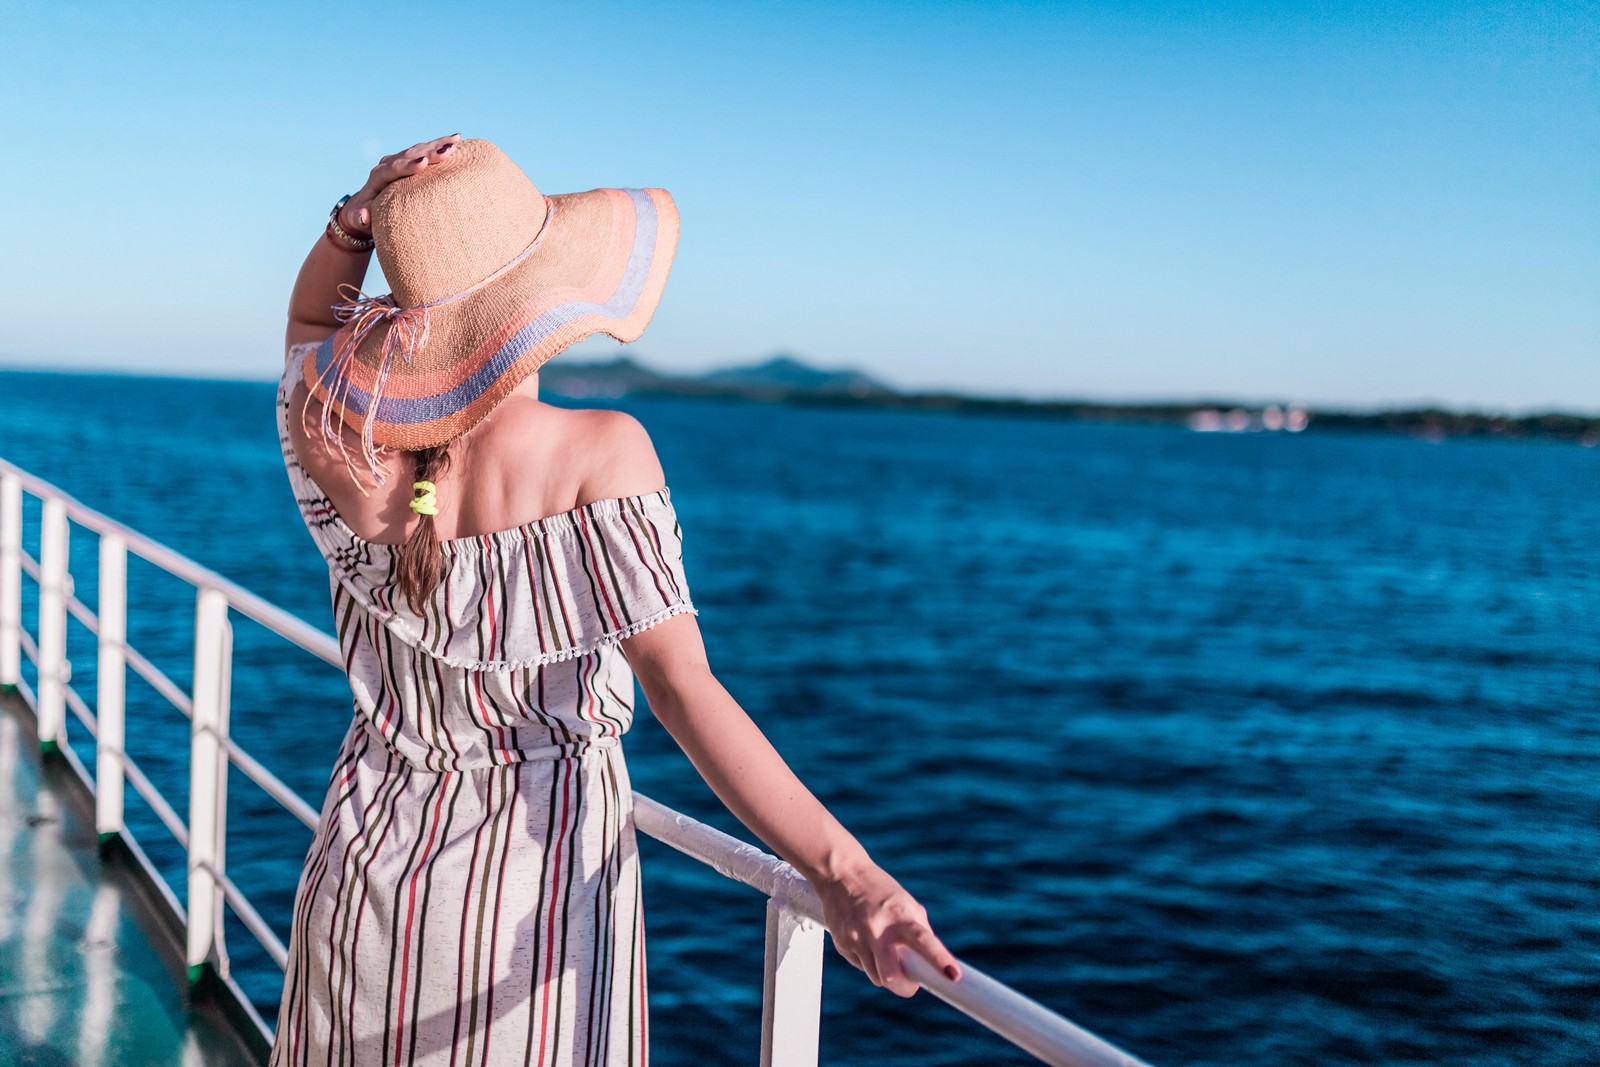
(49, 748)
(8, 687)
(199, 973)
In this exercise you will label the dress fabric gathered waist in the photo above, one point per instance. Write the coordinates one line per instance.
(472, 891)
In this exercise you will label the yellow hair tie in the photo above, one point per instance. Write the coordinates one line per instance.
(424, 503)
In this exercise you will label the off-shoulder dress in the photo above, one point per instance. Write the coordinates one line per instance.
(472, 891)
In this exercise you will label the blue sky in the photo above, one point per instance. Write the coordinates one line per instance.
(1344, 204)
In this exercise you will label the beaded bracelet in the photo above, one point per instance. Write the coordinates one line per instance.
(338, 243)
(340, 236)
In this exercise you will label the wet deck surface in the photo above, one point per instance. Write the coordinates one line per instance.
(82, 979)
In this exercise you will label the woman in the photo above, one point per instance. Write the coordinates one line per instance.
(501, 571)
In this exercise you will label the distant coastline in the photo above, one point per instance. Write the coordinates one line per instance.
(787, 380)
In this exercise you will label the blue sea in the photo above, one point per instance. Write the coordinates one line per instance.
(1236, 749)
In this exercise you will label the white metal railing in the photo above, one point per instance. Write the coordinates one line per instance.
(792, 991)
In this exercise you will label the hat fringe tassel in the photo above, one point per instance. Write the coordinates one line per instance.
(405, 331)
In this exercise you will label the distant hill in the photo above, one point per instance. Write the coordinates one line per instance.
(784, 379)
(606, 378)
(785, 374)
(781, 377)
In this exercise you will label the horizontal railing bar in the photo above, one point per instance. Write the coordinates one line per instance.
(289, 627)
(727, 855)
(162, 684)
(84, 614)
(252, 919)
(29, 647)
(156, 801)
(271, 783)
(1019, 1019)
(274, 618)
(81, 710)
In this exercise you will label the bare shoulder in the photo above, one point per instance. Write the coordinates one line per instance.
(620, 458)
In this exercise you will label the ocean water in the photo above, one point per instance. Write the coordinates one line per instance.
(1236, 749)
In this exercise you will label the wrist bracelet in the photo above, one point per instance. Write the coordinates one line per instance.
(343, 237)
(339, 243)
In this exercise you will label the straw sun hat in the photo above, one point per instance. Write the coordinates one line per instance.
(490, 278)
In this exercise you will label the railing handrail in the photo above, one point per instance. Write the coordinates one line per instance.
(795, 921)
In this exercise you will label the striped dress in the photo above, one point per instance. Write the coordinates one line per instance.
(472, 892)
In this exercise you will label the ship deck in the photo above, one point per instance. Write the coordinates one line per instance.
(91, 963)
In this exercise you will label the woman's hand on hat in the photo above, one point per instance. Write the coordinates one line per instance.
(356, 215)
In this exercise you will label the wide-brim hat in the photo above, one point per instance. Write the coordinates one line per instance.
(490, 279)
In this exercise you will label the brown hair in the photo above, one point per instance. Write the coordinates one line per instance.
(419, 566)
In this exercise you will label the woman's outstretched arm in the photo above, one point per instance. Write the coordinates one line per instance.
(866, 910)
(316, 288)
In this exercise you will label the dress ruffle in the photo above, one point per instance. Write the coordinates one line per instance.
(550, 590)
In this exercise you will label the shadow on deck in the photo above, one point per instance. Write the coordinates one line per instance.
(91, 960)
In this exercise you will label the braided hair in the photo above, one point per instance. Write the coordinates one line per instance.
(420, 565)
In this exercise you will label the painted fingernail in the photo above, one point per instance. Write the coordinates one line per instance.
(419, 159)
(442, 149)
(950, 972)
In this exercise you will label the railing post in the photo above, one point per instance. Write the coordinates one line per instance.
(109, 701)
(224, 716)
(53, 546)
(791, 1008)
(208, 782)
(10, 580)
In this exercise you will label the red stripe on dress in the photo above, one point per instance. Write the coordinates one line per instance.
(610, 725)
(595, 576)
(536, 589)
(515, 771)
(550, 928)
(603, 950)
(655, 539)
(375, 641)
(602, 539)
(313, 885)
(360, 871)
(494, 629)
(638, 548)
(644, 1002)
(561, 601)
(471, 686)
(496, 807)
(398, 961)
(411, 909)
(466, 909)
